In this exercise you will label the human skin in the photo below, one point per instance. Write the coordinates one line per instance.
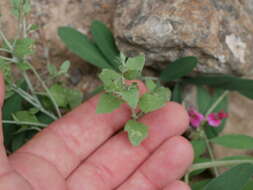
(82, 151)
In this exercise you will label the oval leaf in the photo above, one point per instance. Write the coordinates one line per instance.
(234, 179)
(105, 42)
(79, 44)
(235, 141)
(179, 68)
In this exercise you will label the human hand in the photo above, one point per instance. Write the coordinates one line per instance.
(81, 151)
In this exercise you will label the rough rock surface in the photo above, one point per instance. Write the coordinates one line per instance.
(219, 32)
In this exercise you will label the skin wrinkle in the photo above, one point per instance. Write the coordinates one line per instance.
(146, 178)
(40, 159)
(14, 176)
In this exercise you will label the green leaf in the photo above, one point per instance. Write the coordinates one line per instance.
(79, 44)
(199, 147)
(64, 68)
(112, 80)
(5, 68)
(151, 85)
(74, 97)
(105, 42)
(205, 99)
(25, 116)
(236, 141)
(108, 103)
(133, 67)
(179, 68)
(243, 86)
(131, 95)
(11, 105)
(23, 66)
(249, 185)
(23, 47)
(240, 157)
(52, 69)
(234, 179)
(18, 141)
(154, 100)
(135, 63)
(59, 95)
(177, 94)
(200, 184)
(137, 132)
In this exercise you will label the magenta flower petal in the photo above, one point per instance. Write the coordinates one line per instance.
(213, 120)
(196, 118)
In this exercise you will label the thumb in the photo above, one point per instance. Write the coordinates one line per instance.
(4, 165)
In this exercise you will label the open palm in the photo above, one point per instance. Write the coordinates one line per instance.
(82, 151)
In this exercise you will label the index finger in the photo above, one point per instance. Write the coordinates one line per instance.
(71, 139)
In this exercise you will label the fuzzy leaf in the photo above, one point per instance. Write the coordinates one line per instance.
(154, 100)
(112, 80)
(58, 93)
(131, 95)
(137, 132)
(65, 67)
(135, 63)
(108, 103)
(23, 47)
(79, 44)
(151, 85)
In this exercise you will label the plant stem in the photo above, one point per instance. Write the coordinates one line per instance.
(5, 50)
(47, 90)
(209, 148)
(7, 59)
(222, 163)
(29, 83)
(24, 123)
(217, 102)
(31, 101)
(5, 40)
(210, 152)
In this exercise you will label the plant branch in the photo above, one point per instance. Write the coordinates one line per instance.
(47, 90)
(31, 101)
(5, 40)
(222, 163)
(24, 123)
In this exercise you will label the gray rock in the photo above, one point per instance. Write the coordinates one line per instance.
(219, 33)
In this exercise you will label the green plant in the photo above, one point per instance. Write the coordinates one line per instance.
(29, 108)
(208, 117)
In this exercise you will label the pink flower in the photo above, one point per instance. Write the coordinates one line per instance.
(214, 119)
(196, 118)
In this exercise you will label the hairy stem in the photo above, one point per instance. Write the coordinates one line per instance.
(47, 90)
